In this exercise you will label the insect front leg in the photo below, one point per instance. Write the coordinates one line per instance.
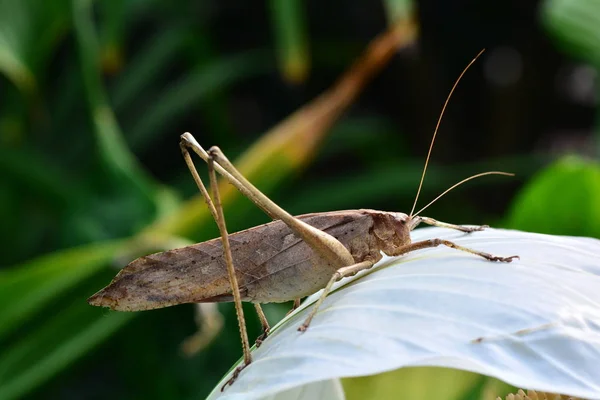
(423, 244)
(339, 274)
(433, 222)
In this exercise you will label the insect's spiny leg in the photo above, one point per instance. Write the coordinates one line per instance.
(323, 243)
(190, 164)
(230, 270)
(244, 186)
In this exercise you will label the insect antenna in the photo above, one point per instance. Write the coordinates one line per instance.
(460, 183)
(436, 130)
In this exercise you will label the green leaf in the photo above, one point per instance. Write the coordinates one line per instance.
(576, 26)
(145, 66)
(112, 146)
(27, 168)
(414, 384)
(398, 9)
(182, 96)
(38, 281)
(29, 30)
(44, 352)
(562, 199)
(289, 24)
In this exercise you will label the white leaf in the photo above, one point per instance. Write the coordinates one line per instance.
(428, 307)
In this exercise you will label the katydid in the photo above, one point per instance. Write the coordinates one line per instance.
(286, 259)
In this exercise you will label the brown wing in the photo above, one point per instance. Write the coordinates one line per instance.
(272, 265)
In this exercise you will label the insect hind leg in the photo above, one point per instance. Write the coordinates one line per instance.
(339, 274)
(216, 209)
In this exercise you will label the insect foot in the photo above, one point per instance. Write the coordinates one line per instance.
(261, 338)
(503, 259)
(469, 229)
(235, 375)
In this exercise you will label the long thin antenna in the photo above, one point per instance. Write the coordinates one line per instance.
(460, 183)
(437, 127)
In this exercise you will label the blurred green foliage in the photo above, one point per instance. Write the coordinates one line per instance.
(94, 95)
(563, 199)
(407, 383)
(576, 25)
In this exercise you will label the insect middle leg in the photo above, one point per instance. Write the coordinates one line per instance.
(339, 274)
(424, 244)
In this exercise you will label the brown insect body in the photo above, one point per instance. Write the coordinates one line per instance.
(272, 263)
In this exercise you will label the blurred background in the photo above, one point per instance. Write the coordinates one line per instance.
(94, 96)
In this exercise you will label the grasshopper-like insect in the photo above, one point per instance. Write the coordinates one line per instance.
(286, 259)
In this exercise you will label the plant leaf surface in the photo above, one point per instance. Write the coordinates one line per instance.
(429, 307)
